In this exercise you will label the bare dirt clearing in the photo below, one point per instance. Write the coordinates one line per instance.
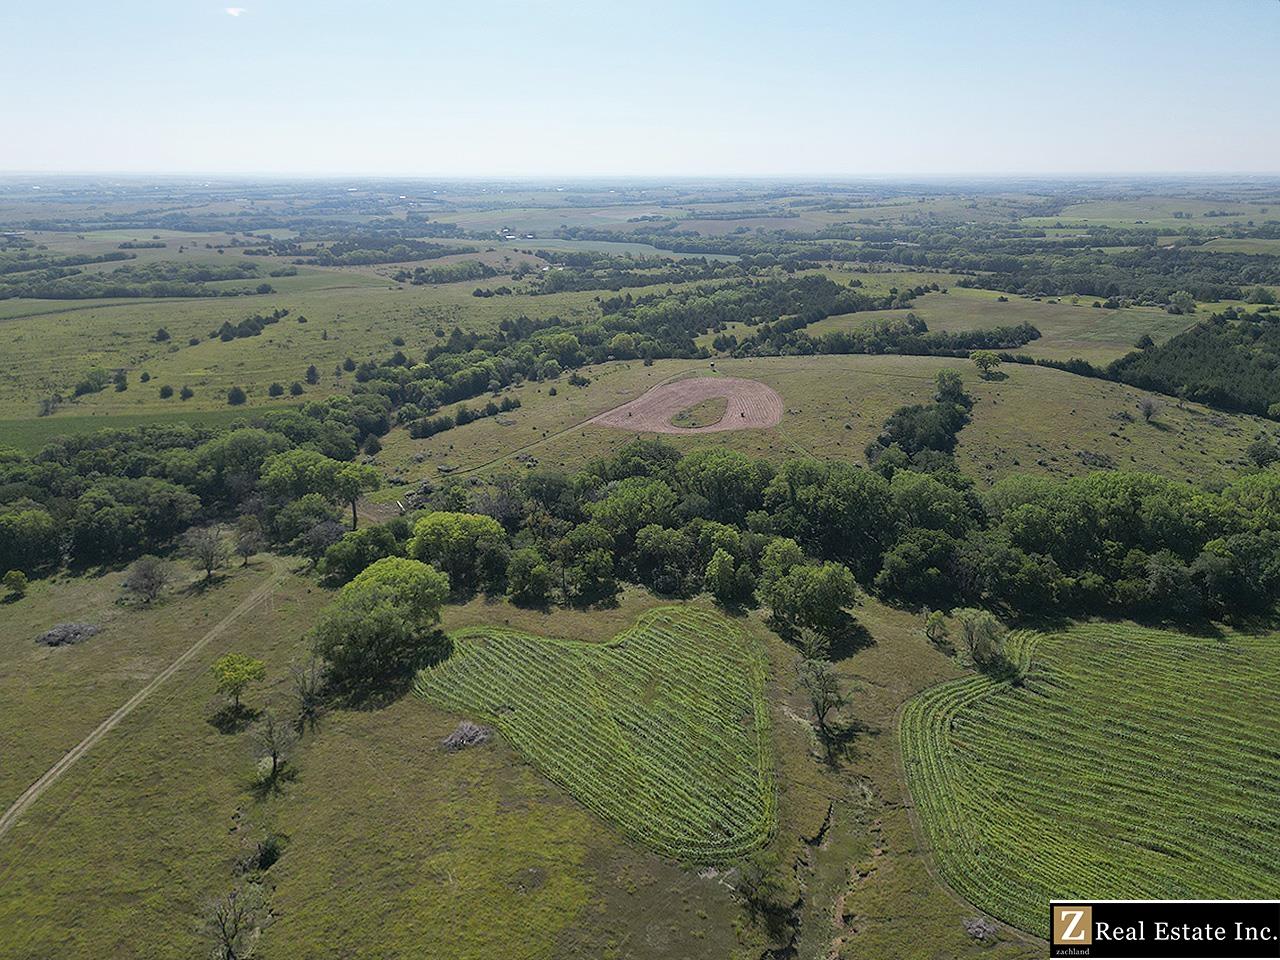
(749, 405)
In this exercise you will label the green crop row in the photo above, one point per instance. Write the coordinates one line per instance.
(664, 730)
(1130, 763)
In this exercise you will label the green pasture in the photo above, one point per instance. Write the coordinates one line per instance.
(1031, 419)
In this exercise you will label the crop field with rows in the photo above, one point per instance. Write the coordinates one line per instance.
(663, 730)
(1131, 763)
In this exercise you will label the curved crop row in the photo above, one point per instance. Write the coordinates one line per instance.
(1131, 763)
(664, 730)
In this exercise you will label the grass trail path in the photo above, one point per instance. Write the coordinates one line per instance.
(51, 776)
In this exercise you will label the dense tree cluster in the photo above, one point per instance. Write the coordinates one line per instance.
(248, 327)
(1229, 361)
(590, 270)
(359, 250)
(794, 537)
(447, 273)
(110, 496)
(160, 278)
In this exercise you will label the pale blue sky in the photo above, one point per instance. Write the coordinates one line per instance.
(497, 87)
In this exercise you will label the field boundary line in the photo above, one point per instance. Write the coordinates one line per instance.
(54, 773)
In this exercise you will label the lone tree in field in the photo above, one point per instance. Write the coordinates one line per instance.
(15, 581)
(1149, 407)
(819, 680)
(249, 538)
(147, 578)
(234, 672)
(935, 626)
(207, 549)
(987, 361)
(274, 740)
(980, 632)
(308, 693)
(232, 924)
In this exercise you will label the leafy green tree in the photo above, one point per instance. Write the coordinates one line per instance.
(987, 361)
(303, 515)
(356, 550)
(819, 681)
(1182, 302)
(731, 483)
(949, 386)
(296, 473)
(935, 626)
(382, 625)
(470, 547)
(1263, 452)
(592, 579)
(30, 540)
(235, 396)
(721, 577)
(918, 566)
(631, 504)
(15, 581)
(351, 480)
(811, 595)
(529, 578)
(233, 672)
(980, 632)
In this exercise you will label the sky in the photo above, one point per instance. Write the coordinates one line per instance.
(661, 87)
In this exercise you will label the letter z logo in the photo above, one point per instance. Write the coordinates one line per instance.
(1072, 925)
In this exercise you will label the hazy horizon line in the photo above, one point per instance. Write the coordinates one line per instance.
(567, 176)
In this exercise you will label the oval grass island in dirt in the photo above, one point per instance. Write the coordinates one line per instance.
(749, 404)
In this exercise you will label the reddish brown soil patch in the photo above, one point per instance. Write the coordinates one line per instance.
(751, 405)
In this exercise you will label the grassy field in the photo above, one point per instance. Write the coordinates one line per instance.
(31, 435)
(1159, 211)
(1036, 420)
(1066, 329)
(466, 854)
(703, 414)
(376, 810)
(158, 812)
(663, 730)
(1131, 763)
